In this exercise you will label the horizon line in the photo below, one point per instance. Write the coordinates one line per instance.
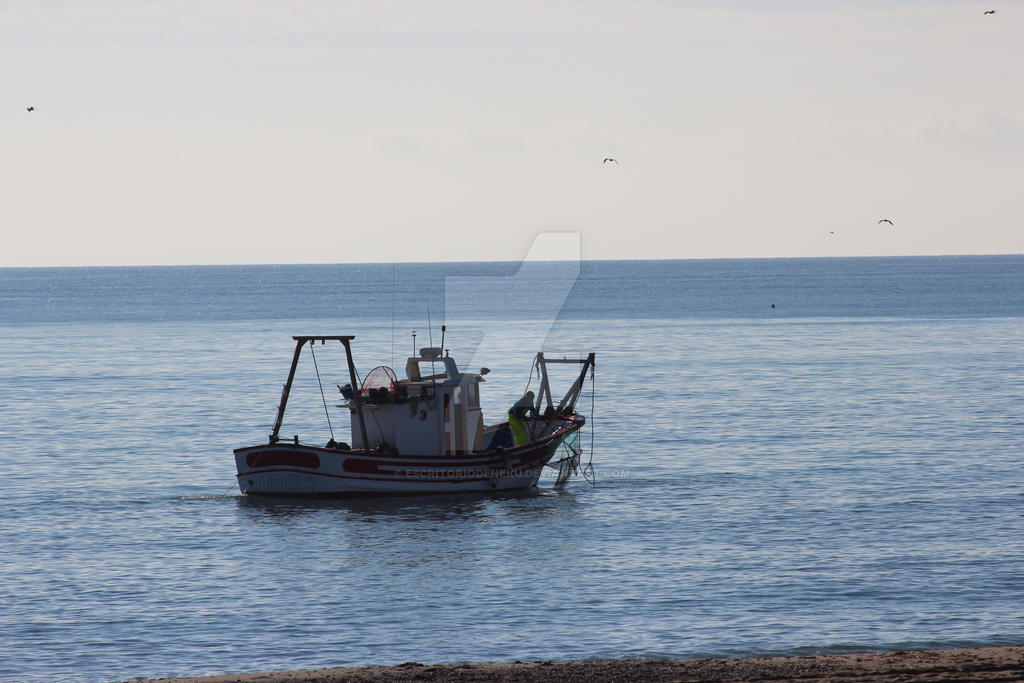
(497, 261)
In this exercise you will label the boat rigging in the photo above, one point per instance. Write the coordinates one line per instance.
(424, 433)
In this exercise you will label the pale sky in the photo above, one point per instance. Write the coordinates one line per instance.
(251, 131)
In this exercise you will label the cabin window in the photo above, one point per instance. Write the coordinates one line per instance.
(473, 396)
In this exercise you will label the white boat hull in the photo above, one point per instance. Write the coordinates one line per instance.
(287, 469)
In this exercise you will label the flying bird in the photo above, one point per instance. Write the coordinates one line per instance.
(886, 220)
(990, 11)
(607, 159)
(30, 108)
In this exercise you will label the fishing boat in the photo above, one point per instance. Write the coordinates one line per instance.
(421, 434)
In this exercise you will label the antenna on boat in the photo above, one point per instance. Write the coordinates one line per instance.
(443, 328)
(414, 342)
(394, 306)
(430, 331)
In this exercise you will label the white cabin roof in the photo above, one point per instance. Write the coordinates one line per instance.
(449, 371)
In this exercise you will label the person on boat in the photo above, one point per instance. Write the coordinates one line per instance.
(522, 409)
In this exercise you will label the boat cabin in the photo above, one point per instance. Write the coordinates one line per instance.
(435, 410)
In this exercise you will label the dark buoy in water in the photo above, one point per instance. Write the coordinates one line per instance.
(773, 305)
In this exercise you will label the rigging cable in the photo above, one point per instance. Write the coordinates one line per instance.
(529, 381)
(394, 306)
(588, 469)
(321, 384)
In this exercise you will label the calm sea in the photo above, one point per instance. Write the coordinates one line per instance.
(791, 456)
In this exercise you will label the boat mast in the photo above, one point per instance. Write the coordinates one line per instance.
(568, 402)
(356, 391)
(544, 390)
(299, 341)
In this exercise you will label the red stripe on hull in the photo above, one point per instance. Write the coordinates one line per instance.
(269, 458)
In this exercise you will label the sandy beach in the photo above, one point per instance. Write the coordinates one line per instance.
(971, 664)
